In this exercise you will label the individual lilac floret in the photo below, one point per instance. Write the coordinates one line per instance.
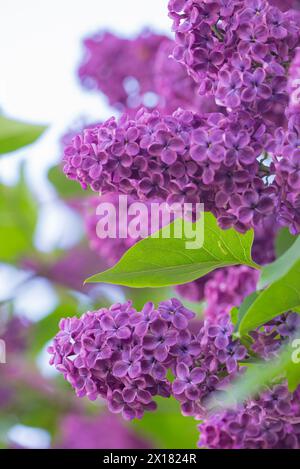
(173, 310)
(120, 355)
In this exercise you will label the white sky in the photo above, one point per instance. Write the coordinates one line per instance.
(40, 48)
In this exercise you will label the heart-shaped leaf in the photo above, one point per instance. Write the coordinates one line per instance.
(160, 260)
(15, 134)
(278, 269)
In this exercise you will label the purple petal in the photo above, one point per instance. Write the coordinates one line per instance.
(178, 386)
(120, 369)
(182, 371)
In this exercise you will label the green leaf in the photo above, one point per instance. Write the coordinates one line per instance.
(281, 296)
(16, 134)
(284, 240)
(47, 328)
(242, 310)
(234, 315)
(18, 215)
(167, 427)
(281, 266)
(65, 187)
(163, 260)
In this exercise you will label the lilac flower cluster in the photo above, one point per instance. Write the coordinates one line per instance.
(237, 51)
(122, 69)
(269, 422)
(106, 431)
(210, 369)
(145, 73)
(123, 356)
(234, 160)
(120, 355)
(183, 157)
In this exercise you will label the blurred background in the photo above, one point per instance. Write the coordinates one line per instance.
(46, 245)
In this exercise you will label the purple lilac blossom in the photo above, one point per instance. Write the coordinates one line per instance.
(234, 51)
(179, 158)
(270, 420)
(214, 363)
(112, 355)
